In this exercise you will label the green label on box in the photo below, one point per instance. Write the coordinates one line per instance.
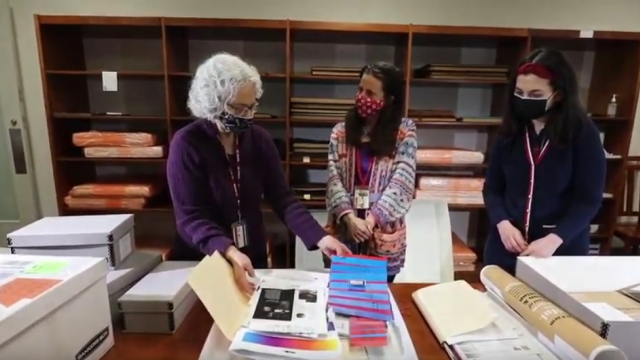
(47, 267)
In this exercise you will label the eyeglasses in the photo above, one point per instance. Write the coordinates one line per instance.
(242, 110)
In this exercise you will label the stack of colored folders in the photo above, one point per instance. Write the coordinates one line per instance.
(358, 288)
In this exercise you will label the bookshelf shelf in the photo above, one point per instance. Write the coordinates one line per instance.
(155, 59)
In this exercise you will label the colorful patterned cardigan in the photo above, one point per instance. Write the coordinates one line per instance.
(392, 187)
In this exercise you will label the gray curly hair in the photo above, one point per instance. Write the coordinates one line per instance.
(217, 81)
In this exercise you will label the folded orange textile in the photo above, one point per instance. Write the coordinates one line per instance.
(428, 156)
(105, 203)
(109, 138)
(441, 183)
(124, 152)
(114, 190)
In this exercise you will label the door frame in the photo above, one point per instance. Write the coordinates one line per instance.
(15, 125)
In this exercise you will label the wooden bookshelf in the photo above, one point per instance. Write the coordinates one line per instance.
(155, 59)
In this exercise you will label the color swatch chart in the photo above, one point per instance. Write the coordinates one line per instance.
(358, 288)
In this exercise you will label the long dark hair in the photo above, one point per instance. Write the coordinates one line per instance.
(383, 135)
(566, 116)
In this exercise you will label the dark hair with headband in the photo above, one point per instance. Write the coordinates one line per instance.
(384, 133)
(567, 115)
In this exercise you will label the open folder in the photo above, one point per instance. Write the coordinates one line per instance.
(457, 313)
(213, 281)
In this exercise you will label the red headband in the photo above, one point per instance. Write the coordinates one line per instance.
(535, 69)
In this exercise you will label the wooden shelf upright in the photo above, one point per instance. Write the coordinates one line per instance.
(155, 59)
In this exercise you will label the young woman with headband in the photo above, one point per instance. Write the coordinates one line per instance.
(546, 173)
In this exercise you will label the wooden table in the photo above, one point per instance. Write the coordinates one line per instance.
(187, 343)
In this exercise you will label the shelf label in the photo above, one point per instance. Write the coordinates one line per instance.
(109, 81)
(306, 159)
(586, 34)
(306, 197)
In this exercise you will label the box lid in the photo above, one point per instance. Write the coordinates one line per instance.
(72, 230)
(167, 283)
(31, 287)
(136, 266)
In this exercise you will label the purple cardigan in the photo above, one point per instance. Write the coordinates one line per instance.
(203, 196)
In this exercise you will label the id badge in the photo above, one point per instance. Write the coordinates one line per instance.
(239, 231)
(361, 196)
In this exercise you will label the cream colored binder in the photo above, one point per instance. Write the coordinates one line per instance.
(455, 311)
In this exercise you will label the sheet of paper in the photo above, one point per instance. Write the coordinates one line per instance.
(453, 309)
(109, 81)
(49, 267)
(24, 289)
(277, 308)
(212, 280)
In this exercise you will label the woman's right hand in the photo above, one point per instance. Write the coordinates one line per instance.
(358, 228)
(511, 237)
(241, 267)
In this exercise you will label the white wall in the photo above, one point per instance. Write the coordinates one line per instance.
(619, 15)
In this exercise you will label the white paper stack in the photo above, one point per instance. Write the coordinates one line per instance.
(159, 302)
(106, 236)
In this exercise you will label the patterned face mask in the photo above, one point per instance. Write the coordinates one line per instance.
(235, 124)
(366, 106)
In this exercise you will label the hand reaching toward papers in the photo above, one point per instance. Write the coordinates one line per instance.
(511, 237)
(359, 229)
(332, 246)
(241, 267)
(543, 247)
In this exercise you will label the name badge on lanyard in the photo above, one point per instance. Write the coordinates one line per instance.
(238, 228)
(361, 193)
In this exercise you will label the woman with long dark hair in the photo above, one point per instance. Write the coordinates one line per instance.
(372, 165)
(546, 173)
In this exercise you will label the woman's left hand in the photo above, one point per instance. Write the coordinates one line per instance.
(544, 247)
(332, 246)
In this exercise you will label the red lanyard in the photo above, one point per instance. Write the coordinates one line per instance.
(235, 178)
(363, 177)
(535, 154)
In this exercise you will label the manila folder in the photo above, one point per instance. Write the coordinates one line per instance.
(212, 280)
(454, 308)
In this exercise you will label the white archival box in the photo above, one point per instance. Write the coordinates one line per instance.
(108, 236)
(159, 302)
(127, 274)
(587, 287)
(54, 308)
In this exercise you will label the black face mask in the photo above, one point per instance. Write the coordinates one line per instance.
(235, 124)
(530, 109)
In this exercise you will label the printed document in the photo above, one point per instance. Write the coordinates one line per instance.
(276, 307)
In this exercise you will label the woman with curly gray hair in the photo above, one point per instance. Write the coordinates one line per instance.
(221, 165)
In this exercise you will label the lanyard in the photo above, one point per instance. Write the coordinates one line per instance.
(534, 155)
(363, 177)
(235, 178)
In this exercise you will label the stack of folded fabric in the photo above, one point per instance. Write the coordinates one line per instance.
(462, 72)
(346, 72)
(320, 108)
(309, 150)
(358, 289)
(110, 195)
(106, 144)
(441, 156)
(453, 190)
